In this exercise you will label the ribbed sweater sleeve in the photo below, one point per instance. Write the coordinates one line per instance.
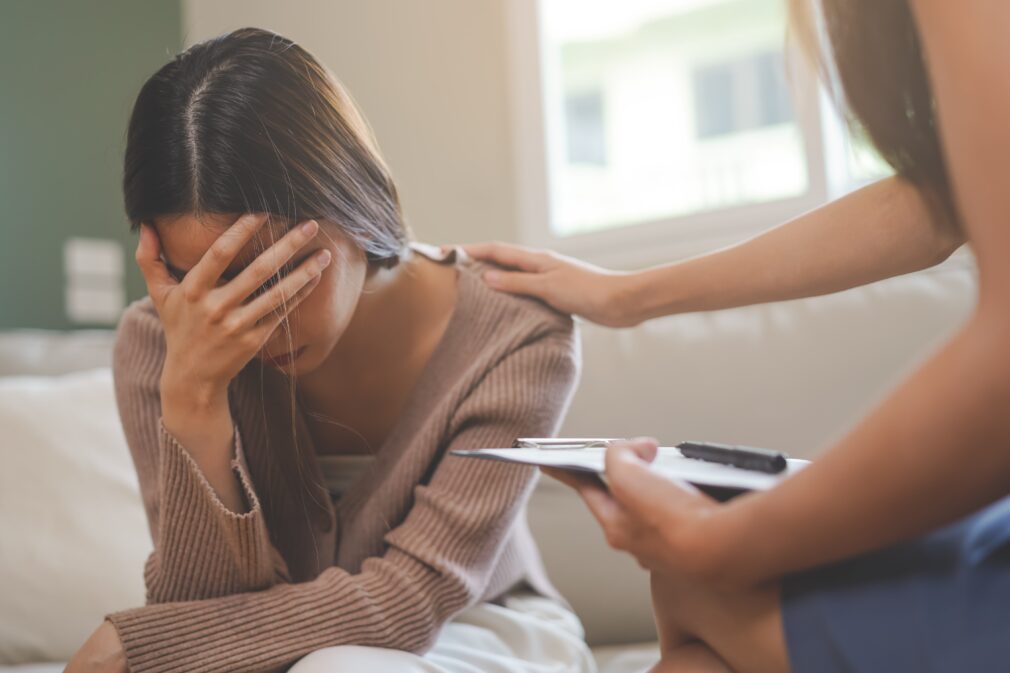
(437, 562)
(201, 548)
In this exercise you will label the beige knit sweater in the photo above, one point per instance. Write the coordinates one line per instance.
(419, 538)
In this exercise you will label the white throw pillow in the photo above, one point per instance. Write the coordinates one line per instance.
(73, 536)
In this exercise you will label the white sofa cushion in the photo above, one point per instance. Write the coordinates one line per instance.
(73, 528)
(37, 352)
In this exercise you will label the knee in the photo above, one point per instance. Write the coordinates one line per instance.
(691, 658)
(355, 658)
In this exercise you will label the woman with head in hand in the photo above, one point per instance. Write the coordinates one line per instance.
(292, 385)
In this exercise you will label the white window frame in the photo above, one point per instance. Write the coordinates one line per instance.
(664, 239)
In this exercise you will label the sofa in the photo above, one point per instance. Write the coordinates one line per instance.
(792, 376)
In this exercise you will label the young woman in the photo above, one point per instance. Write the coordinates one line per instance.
(292, 385)
(892, 551)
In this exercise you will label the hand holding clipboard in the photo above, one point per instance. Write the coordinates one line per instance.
(720, 469)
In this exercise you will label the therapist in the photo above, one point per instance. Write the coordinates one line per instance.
(892, 551)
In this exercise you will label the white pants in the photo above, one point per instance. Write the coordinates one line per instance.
(530, 634)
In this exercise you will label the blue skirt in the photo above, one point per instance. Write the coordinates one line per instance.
(936, 604)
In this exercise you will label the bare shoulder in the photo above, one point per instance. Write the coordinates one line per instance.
(966, 52)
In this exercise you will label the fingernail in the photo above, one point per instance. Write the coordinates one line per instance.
(324, 259)
(492, 277)
(310, 227)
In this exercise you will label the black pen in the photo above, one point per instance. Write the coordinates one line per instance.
(744, 457)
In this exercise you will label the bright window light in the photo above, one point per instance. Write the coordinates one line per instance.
(658, 109)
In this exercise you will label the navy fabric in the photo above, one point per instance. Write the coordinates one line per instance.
(936, 604)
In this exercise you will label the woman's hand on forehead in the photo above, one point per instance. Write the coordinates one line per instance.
(263, 239)
(261, 234)
(219, 289)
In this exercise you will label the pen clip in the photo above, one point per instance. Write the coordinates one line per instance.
(559, 443)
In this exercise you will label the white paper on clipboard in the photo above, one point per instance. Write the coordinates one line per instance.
(669, 462)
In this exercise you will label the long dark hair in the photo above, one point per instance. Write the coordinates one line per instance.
(873, 51)
(251, 122)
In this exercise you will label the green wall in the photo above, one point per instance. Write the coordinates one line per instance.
(69, 71)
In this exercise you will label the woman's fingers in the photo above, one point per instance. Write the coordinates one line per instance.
(645, 448)
(620, 531)
(266, 266)
(515, 282)
(572, 478)
(283, 292)
(270, 323)
(508, 255)
(148, 256)
(223, 251)
(601, 504)
(643, 490)
(593, 491)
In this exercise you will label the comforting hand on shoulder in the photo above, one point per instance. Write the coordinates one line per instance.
(569, 285)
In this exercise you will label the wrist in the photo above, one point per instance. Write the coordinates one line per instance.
(199, 418)
(651, 293)
(197, 398)
(625, 302)
(682, 287)
(618, 306)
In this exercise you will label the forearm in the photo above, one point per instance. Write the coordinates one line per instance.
(202, 547)
(201, 422)
(883, 230)
(388, 604)
(932, 453)
(211, 536)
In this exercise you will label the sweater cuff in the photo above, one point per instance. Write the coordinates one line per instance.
(193, 497)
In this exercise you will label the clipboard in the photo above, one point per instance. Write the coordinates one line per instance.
(587, 455)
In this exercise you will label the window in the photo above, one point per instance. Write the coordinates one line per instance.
(585, 132)
(741, 95)
(688, 96)
(713, 90)
(668, 118)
